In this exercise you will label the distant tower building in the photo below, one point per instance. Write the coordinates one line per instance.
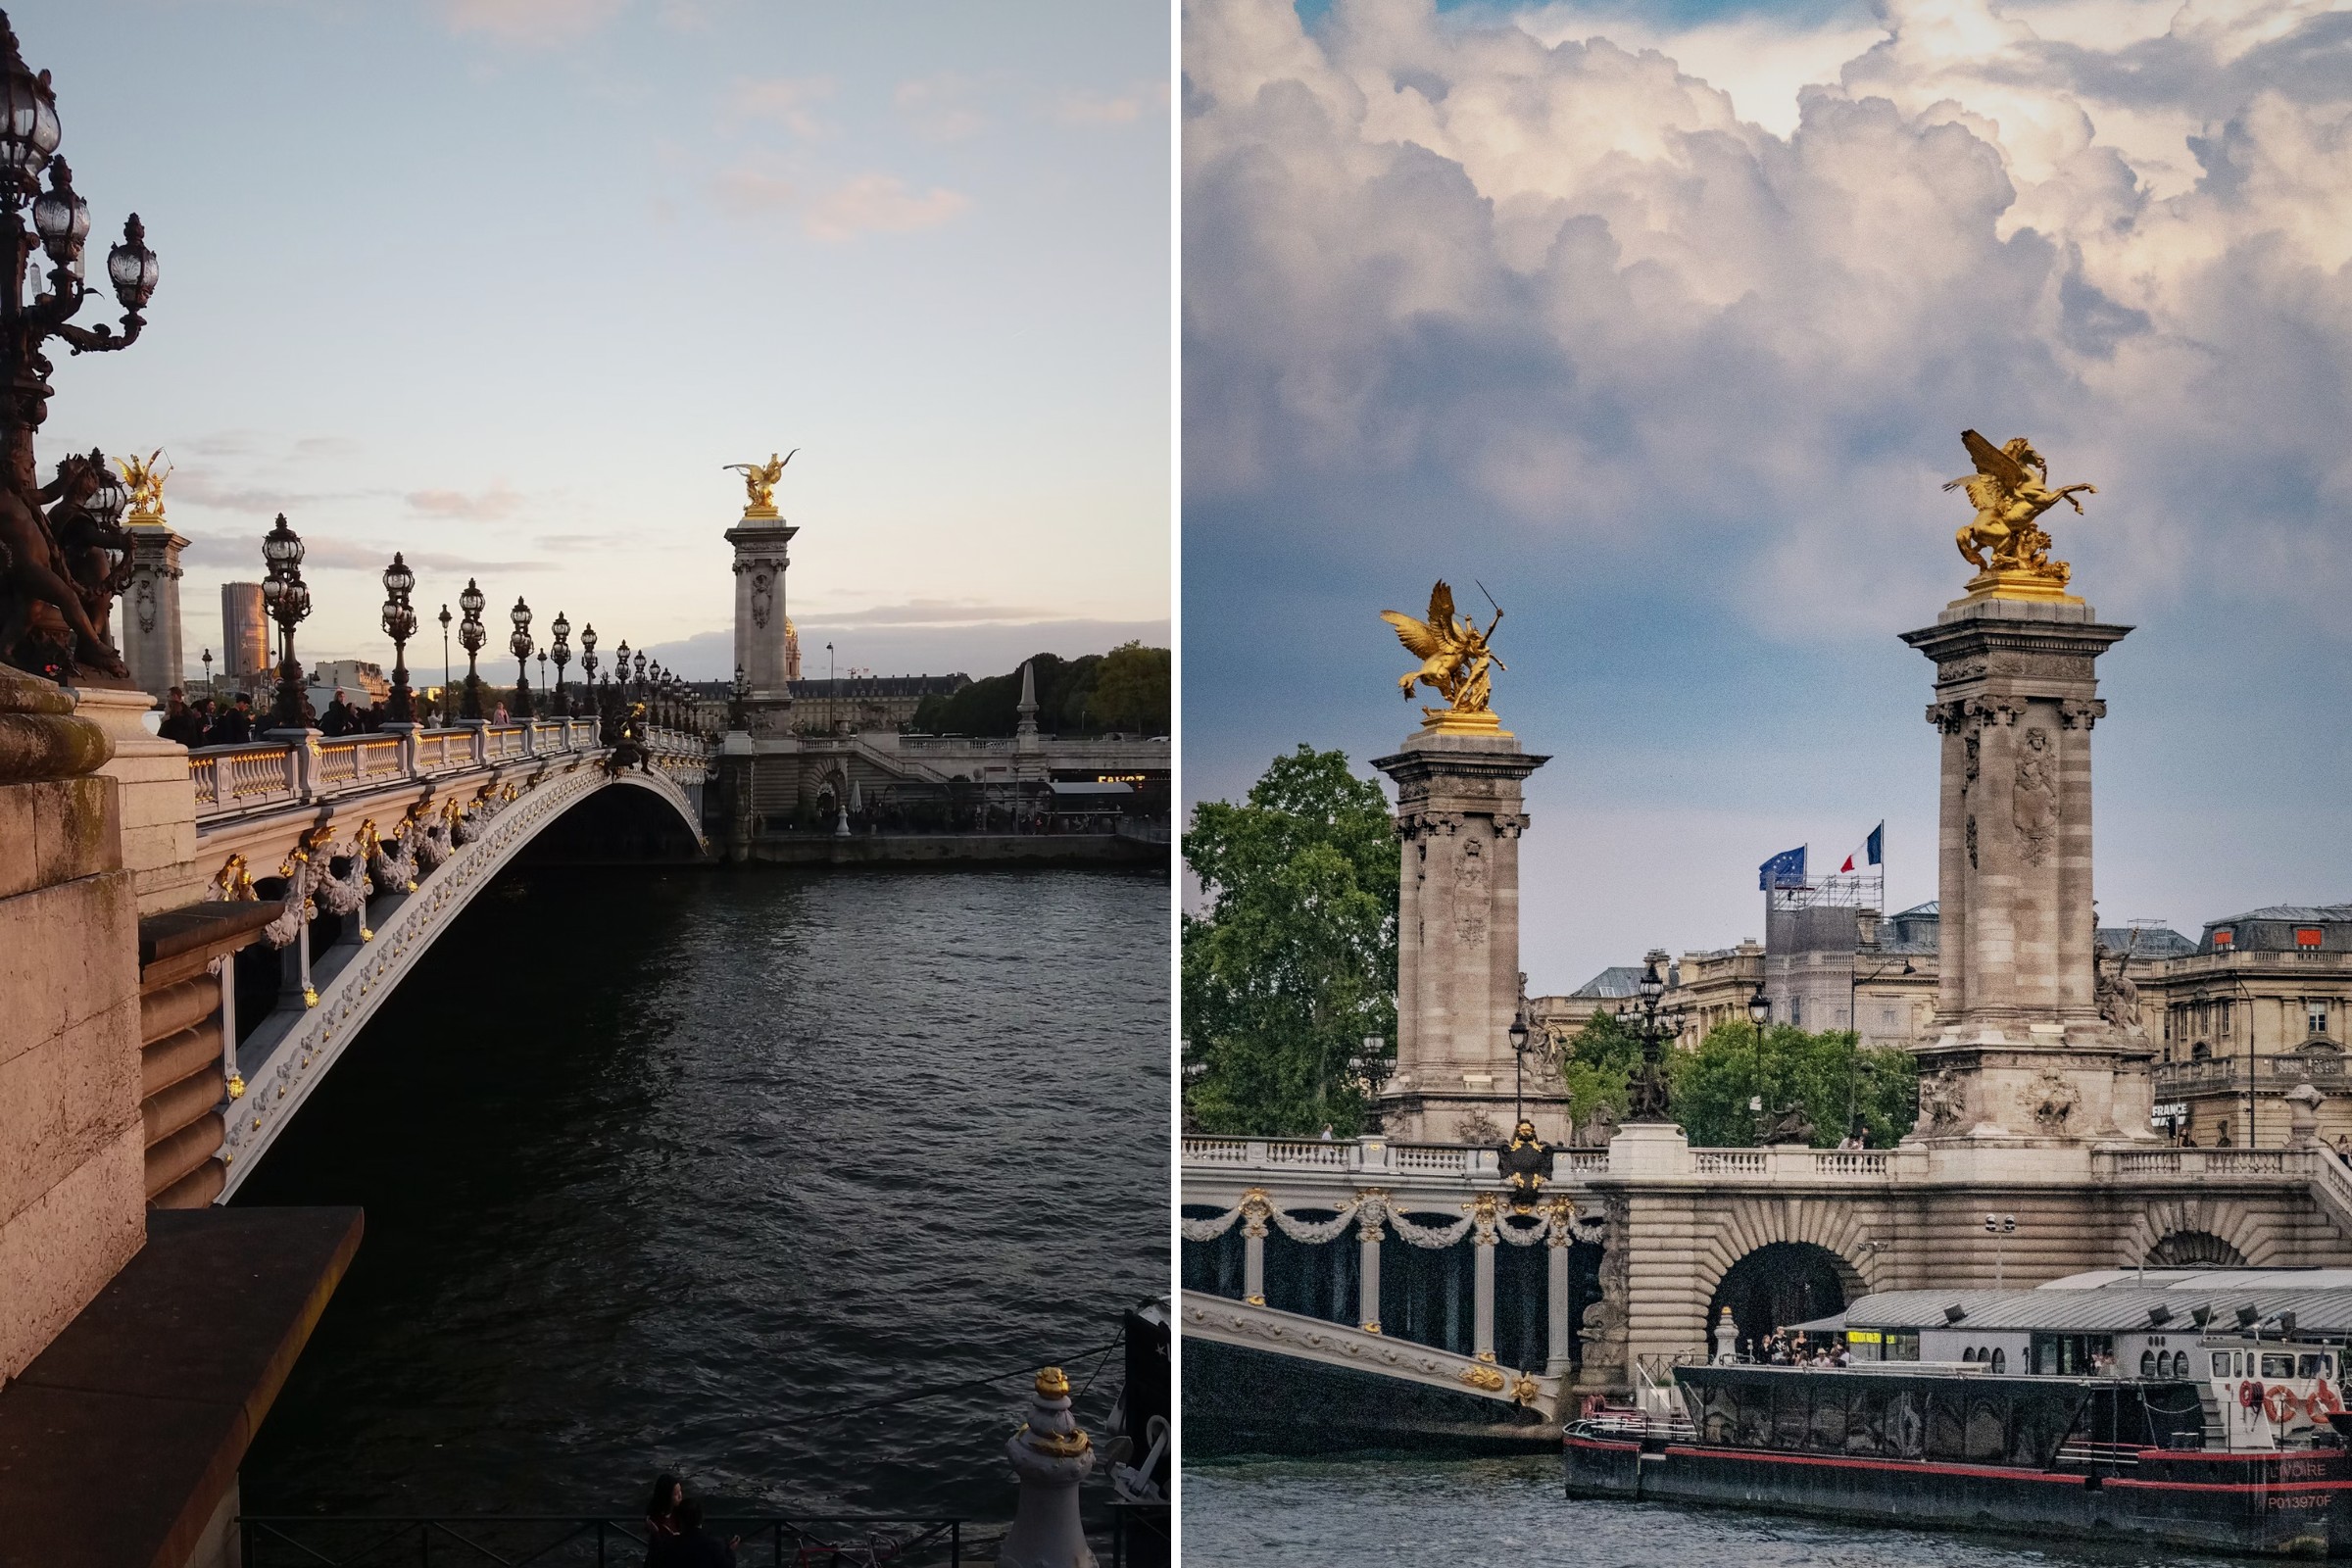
(244, 631)
(149, 630)
(791, 650)
(764, 637)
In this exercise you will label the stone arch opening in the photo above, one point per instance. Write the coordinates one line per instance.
(624, 823)
(2195, 1250)
(1779, 1284)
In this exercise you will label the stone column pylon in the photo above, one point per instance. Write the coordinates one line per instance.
(762, 642)
(149, 607)
(1557, 1257)
(1483, 1242)
(1369, 1233)
(1459, 817)
(2021, 1052)
(1255, 1207)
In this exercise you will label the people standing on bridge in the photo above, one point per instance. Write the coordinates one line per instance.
(236, 725)
(180, 722)
(337, 720)
(661, 1516)
(500, 717)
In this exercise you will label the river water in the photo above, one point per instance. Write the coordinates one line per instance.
(669, 1168)
(1392, 1513)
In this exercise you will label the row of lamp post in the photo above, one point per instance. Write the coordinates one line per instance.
(286, 598)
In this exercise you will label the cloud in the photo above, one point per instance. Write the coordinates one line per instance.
(1565, 287)
(977, 651)
(529, 22)
(879, 204)
(932, 612)
(237, 551)
(789, 101)
(474, 506)
(937, 107)
(1083, 107)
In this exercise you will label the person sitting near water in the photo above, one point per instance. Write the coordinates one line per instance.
(661, 1518)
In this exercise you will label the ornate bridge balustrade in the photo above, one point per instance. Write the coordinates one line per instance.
(1662, 1237)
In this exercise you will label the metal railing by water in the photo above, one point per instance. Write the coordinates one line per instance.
(510, 1541)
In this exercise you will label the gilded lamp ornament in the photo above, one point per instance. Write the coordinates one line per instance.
(1456, 662)
(2004, 541)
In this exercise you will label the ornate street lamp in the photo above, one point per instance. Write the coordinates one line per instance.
(444, 713)
(29, 134)
(471, 635)
(641, 671)
(1518, 1033)
(208, 672)
(399, 624)
(563, 649)
(519, 645)
(1648, 1098)
(288, 600)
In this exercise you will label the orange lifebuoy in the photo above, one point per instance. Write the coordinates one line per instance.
(2278, 1402)
(2249, 1394)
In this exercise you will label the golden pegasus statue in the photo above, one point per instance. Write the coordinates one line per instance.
(1456, 661)
(759, 482)
(146, 482)
(2004, 541)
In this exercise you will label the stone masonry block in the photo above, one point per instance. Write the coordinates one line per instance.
(57, 1255)
(65, 1101)
(73, 829)
(73, 955)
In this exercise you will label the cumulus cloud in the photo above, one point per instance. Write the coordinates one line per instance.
(1564, 280)
(235, 552)
(1083, 107)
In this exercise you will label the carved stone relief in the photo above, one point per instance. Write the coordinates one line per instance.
(2035, 804)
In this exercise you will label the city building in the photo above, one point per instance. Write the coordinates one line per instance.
(2256, 1008)
(865, 702)
(361, 680)
(244, 635)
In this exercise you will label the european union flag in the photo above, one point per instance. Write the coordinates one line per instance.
(1785, 870)
(1875, 845)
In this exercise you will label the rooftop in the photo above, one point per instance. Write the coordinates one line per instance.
(1617, 980)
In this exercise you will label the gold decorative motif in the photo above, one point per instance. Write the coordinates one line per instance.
(233, 882)
(1255, 1301)
(146, 482)
(759, 482)
(1053, 1383)
(236, 1086)
(2011, 489)
(1256, 1207)
(1527, 1391)
(1456, 663)
(1484, 1377)
(1372, 1327)
(309, 995)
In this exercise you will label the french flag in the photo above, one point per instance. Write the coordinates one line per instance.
(1872, 852)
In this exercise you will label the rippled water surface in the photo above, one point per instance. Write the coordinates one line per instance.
(676, 1169)
(1389, 1513)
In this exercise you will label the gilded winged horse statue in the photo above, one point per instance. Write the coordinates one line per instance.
(2004, 541)
(1455, 662)
(759, 482)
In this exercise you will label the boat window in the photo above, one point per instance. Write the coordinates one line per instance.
(1791, 1413)
(1828, 1414)
(1968, 1355)
(2308, 1366)
(1718, 1413)
(2147, 1364)
(1755, 1417)
(2000, 1360)
(2275, 1365)
(1947, 1424)
(1902, 1346)
(2220, 1364)
(1865, 1422)
(1986, 1438)
(2169, 1365)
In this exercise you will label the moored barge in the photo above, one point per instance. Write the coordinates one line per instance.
(2210, 1424)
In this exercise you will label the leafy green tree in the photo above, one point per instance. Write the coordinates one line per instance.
(1295, 963)
(1131, 689)
(1714, 1084)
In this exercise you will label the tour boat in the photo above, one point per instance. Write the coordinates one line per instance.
(2121, 1411)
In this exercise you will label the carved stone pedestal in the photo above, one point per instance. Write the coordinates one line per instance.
(2020, 1052)
(1457, 960)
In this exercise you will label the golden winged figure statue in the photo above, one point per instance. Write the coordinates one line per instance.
(1455, 662)
(146, 481)
(2004, 541)
(759, 482)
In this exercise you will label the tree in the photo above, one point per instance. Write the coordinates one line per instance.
(1713, 1084)
(1131, 689)
(1295, 963)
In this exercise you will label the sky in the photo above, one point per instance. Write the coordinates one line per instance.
(1663, 322)
(505, 284)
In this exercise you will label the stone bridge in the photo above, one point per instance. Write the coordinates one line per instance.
(1647, 1239)
(286, 887)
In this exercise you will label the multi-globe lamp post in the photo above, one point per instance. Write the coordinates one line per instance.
(471, 635)
(1648, 1097)
(519, 645)
(444, 715)
(561, 628)
(399, 624)
(288, 598)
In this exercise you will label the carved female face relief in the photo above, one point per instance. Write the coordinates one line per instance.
(2034, 806)
(762, 600)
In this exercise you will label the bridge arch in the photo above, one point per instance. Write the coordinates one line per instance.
(2204, 1232)
(299, 1041)
(1776, 1261)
